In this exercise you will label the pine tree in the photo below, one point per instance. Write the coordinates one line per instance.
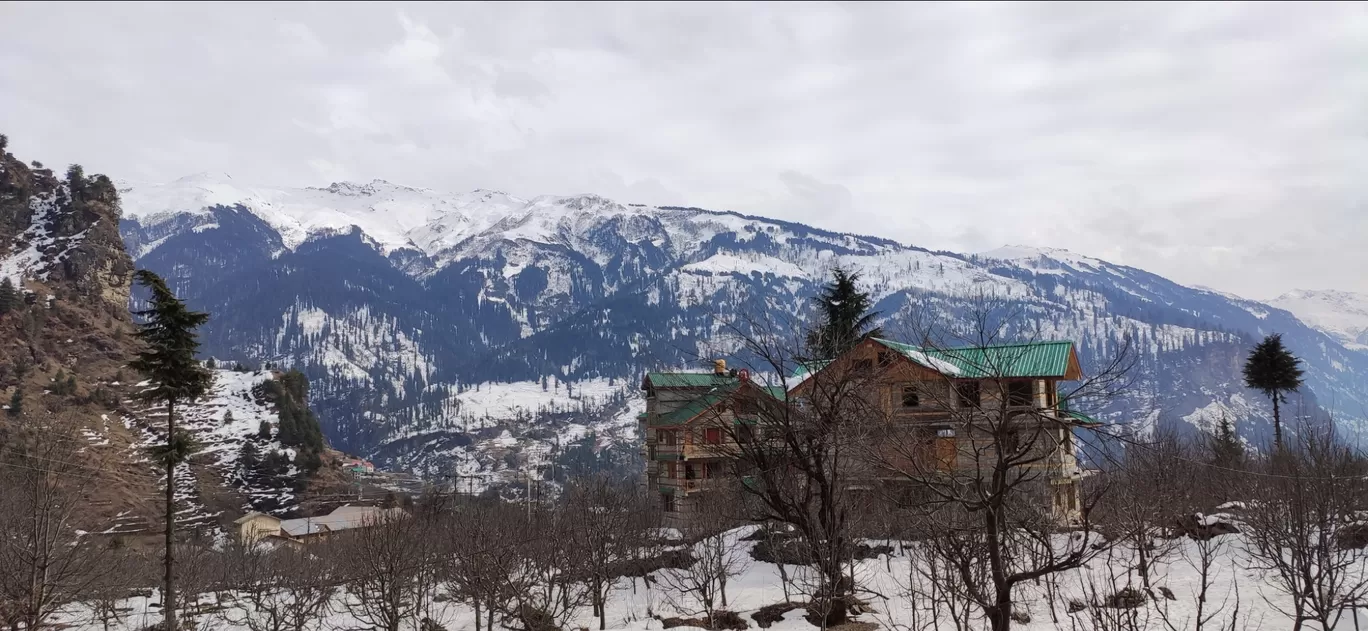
(846, 316)
(264, 430)
(249, 458)
(168, 361)
(16, 404)
(10, 299)
(1226, 449)
(1274, 371)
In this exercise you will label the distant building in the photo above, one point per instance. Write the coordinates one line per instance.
(254, 526)
(358, 465)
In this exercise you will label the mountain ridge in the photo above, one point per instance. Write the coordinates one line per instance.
(398, 318)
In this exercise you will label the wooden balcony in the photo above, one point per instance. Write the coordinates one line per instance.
(681, 486)
(666, 453)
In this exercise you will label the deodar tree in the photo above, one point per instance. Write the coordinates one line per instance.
(1274, 371)
(167, 331)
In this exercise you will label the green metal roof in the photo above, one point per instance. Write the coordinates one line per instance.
(697, 406)
(806, 369)
(1036, 359)
(687, 379)
(701, 404)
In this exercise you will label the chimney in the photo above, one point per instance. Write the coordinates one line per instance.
(719, 366)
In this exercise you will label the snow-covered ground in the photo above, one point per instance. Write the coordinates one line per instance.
(1238, 597)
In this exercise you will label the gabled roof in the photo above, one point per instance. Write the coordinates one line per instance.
(1035, 359)
(342, 518)
(252, 515)
(686, 379)
(701, 404)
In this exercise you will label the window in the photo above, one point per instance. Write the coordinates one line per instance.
(911, 398)
(667, 502)
(667, 437)
(712, 470)
(689, 472)
(744, 432)
(969, 394)
(671, 470)
(744, 405)
(712, 436)
(864, 365)
(1019, 393)
(885, 358)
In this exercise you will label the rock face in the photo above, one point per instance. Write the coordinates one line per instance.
(64, 349)
(62, 232)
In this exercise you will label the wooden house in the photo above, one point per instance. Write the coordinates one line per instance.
(688, 433)
(930, 409)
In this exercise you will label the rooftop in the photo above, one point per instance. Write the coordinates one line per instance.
(342, 518)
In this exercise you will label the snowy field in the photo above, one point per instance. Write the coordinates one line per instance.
(1237, 598)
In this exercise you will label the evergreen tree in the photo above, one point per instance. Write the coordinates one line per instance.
(10, 299)
(16, 404)
(846, 316)
(1274, 371)
(249, 458)
(264, 430)
(1226, 449)
(70, 387)
(168, 362)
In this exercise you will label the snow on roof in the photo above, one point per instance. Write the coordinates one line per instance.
(342, 518)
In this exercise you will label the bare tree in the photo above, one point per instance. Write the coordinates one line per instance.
(799, 460)
(1216, 599)
(607, 523)
(45, 560)
(701, 588)
(481, 555)
(1309, 495)
(282, 589)
(544, 591)
(382, 562)
(1151, 492)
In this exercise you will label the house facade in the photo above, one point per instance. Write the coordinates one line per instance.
(688, 434)
(940, 411)
(926, 411)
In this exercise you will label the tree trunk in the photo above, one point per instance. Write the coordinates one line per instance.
(169, 583)
(1277, 424)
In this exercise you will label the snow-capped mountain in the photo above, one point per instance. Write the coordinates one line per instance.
(1340, 314)
(402, 303)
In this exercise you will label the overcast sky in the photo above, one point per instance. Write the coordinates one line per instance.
(1224, 145)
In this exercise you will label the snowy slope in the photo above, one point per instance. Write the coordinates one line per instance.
(220, 423)
(1340, 314)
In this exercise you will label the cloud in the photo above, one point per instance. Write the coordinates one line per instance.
(1218, 144)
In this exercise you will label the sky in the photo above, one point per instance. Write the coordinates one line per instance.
(1222, 145)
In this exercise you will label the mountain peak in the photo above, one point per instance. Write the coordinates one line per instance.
(204, 177)
(1340, 314)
